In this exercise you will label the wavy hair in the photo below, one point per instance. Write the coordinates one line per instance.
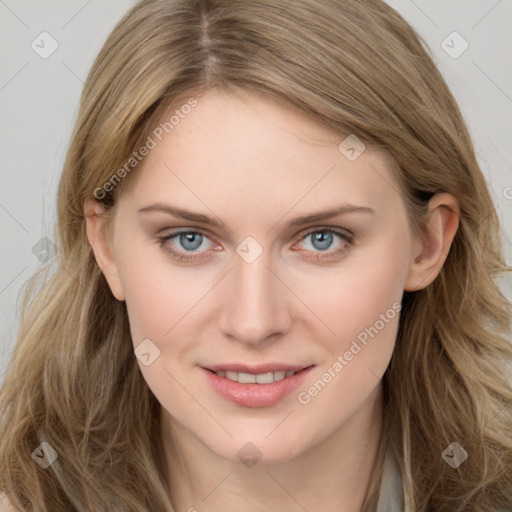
(355, 67)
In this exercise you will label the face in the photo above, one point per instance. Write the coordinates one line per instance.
(244, 280)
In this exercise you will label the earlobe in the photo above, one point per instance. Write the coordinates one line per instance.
(97, 235)
(431, 250)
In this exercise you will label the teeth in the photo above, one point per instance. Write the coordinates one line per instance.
(265, 378)
(261, 378)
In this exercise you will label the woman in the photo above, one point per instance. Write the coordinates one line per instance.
(276, 280)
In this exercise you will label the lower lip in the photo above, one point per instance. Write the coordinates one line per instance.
(256, 395)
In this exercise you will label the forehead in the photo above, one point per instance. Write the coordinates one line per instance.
(250, 149)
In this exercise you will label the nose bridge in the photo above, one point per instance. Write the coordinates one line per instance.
(254, 308)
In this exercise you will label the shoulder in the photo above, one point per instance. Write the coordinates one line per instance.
(5, 504)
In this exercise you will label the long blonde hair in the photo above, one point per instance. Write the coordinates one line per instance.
(356, 67)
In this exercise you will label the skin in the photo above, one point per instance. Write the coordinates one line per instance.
(256, 163)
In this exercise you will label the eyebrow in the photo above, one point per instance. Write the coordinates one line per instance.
(297, 221)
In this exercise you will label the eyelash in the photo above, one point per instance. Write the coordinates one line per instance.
(318, 256)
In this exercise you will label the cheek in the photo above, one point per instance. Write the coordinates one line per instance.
(354, 295)
(151, 297)
(158, 298)
(163, 299)
(363, 310)
(360, 303)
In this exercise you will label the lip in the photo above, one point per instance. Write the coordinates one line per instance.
(256, 395)
(255, 369)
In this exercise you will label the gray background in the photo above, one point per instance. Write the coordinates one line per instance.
(39, 99)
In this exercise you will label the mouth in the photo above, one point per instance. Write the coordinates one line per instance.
(252, 378)
(254, 387)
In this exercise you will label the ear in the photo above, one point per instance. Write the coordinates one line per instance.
(430, 250)
(97, 234)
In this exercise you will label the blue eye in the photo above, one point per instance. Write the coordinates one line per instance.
(323, 239)
(320, 238)
(189, 240)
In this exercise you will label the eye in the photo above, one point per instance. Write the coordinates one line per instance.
(194, 243)
(323, 239)
(189, 241)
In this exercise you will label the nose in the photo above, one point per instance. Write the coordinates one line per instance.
(255, 306)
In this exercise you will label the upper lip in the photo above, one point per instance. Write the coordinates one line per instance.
(255, 369)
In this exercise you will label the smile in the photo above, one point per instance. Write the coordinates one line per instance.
(260, 378)
(255, 389)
